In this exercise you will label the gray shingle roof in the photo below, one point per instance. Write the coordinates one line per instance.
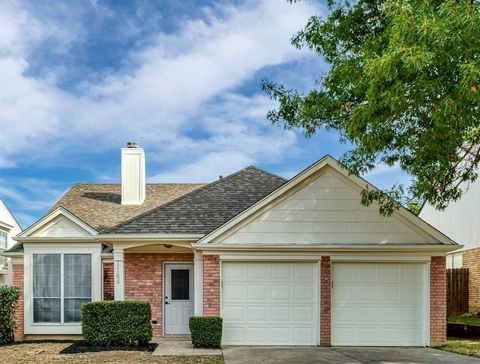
(203, 210)
(17, 248)
(99, 205)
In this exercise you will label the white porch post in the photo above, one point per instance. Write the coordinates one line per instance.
(119, 273)
(198, 283)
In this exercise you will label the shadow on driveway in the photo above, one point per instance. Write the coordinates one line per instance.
(340, 355)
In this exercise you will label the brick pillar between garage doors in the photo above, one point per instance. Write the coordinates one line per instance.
(211, 285)
(325, 302)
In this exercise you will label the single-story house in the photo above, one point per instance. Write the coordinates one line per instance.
(284, 262)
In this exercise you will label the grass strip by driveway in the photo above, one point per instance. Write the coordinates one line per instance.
(465, 319)
(50, 352)
(461, 346)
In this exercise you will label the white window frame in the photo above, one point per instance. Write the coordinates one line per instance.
(4, 260)
(5, 247)
(62, 288)
(48, 328)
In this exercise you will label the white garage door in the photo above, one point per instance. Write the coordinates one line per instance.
(270, 303)
(379, 304)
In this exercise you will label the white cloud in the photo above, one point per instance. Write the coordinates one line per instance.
(173, 87)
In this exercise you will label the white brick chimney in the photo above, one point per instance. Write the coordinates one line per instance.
(133, 174)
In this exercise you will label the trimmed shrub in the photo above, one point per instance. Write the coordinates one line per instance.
(206, 331)
(9, 297)
(115, 323)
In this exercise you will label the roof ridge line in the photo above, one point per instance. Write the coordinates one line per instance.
(147, 183)
(267, 172)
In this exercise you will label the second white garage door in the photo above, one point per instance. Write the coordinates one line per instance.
(379, 304)
(270, 303)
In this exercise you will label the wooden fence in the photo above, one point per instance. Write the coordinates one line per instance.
(457, 291)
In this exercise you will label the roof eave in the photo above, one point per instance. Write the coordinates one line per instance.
(148, 237)
(6, 227)
(330, 248)
(49, 239)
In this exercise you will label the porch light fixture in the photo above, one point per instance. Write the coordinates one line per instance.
(168, 246)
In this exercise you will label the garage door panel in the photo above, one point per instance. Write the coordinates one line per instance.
(236, 313)
(303, 293)
(388, 294)
(303, 314)
(234, 292)
(366, 294)
(257, 271)
(280, 306)
(257, 292)
(258, 313)
(281, 272)
(234, 334)
(385, 308)
(279, 313)
(280, 292)
(410, 294)
(304, 272)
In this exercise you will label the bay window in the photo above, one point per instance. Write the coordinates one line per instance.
(61, 284)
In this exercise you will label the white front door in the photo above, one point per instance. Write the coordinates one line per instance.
(178, 301)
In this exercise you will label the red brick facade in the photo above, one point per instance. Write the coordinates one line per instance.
(144, 281)
(17, 281)
(471, 257)
(211, 285)
(325, 302)
(438, 300)
(108, 282)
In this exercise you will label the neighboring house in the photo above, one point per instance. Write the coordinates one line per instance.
(9, 227)
(284, 262)
(460, 221)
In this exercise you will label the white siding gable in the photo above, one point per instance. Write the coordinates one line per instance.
(325, 211)
(61, 227)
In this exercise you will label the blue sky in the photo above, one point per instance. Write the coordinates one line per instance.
(81, 78)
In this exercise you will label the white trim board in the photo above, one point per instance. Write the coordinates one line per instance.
(44, 221)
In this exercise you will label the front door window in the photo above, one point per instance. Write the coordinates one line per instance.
(180, 284)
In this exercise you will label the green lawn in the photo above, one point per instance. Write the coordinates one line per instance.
(461, 346)
(465, 319)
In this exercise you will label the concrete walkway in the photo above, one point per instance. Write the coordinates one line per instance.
(181, 346)
(350, 355)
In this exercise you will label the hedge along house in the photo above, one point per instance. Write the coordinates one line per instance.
(284, 262)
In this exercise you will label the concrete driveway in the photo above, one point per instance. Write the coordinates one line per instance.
(340, 355)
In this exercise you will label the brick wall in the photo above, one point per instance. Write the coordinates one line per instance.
(325, 302)
(438, 301)
(108, 282)
(471, 260)
(144, 281)
(211, 285)
(17, 281)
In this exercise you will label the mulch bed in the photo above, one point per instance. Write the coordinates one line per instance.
(81, 346)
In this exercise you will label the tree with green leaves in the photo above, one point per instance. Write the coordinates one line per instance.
(402, 88)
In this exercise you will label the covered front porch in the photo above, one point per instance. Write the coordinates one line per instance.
(169, 275)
